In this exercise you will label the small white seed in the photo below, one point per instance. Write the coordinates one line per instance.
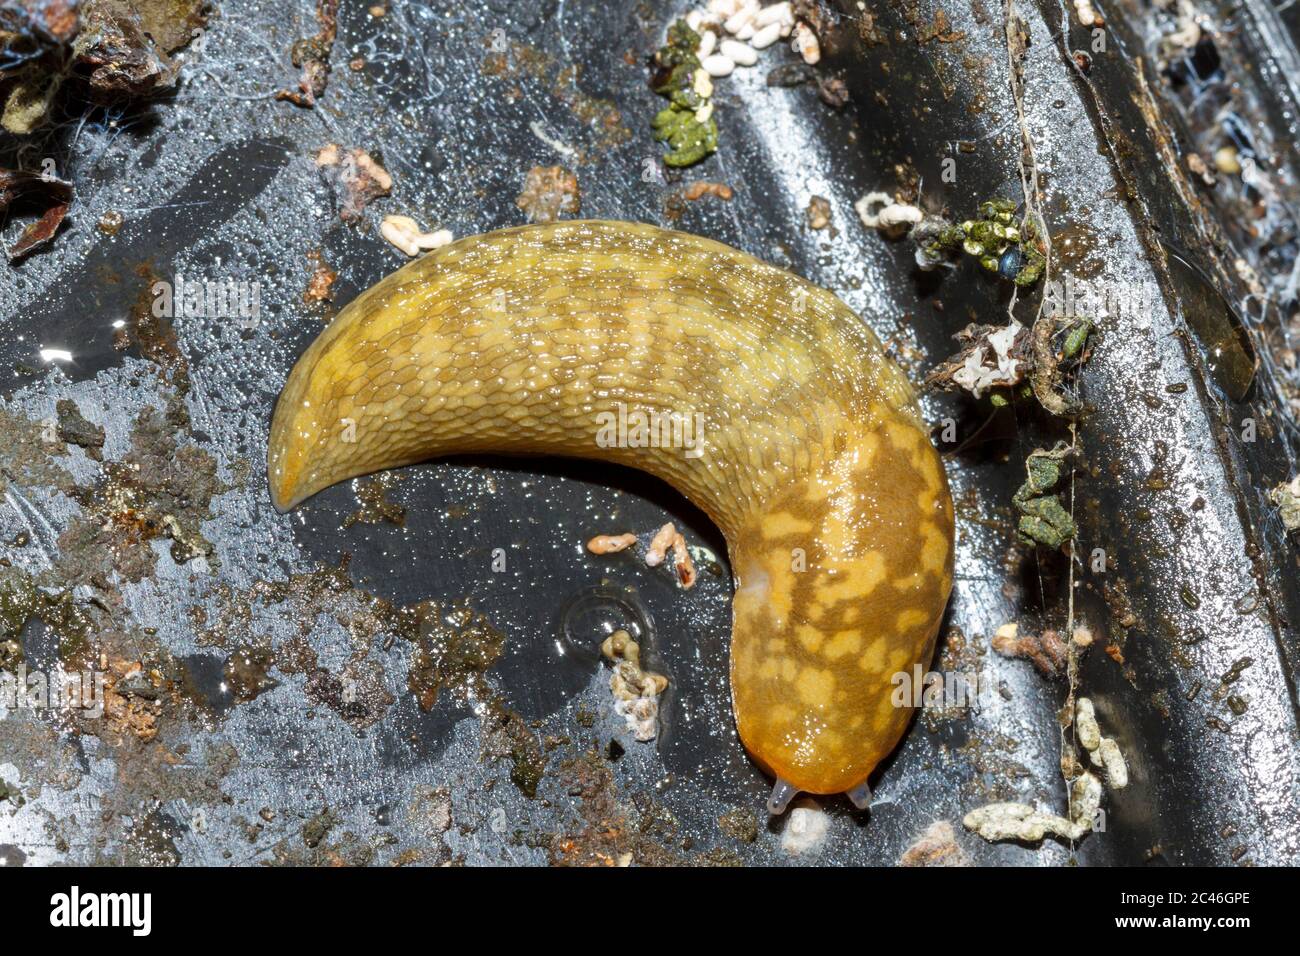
(708, 40)
(742, 54)
(718, 65)
(741, 17)
(702, 85)
(765, 37)
(776, 13)
(725, 8)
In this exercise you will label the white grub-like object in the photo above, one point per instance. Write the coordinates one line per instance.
(1109, 758)
(1088, 16)
(779, 13)
(878, 210)
(742, 54)
(708, 42)
(659, 545)
(1086, 729)
(718, 65)
(405, 233)
(766, 36)
(742, 17)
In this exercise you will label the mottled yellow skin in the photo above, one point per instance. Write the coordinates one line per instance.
(816, 467)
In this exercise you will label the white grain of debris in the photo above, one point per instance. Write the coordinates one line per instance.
(742, 54)
(1186, 36)
(1018, 821)
(539, 130)
(1087, 15)
(1085, 801)
(1226, 160)
(936, 846)
(1286, 497)
(641, 716)
(805, 830)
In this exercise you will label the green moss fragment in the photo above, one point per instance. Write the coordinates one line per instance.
(1043, 519)
(691, 140)
(675, 66)
(989, 238)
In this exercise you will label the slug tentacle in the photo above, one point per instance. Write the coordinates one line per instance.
(782, 794)
(860, 796)
(778, 413)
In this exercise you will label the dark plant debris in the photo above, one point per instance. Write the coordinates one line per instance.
(55, 194)
(312, 55)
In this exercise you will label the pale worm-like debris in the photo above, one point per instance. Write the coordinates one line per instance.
(610, 543)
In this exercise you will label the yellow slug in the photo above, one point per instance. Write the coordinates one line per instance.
(815, 464)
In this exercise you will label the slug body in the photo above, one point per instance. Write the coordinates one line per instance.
(815, 464)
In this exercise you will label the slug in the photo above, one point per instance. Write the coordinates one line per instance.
(812, 460)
